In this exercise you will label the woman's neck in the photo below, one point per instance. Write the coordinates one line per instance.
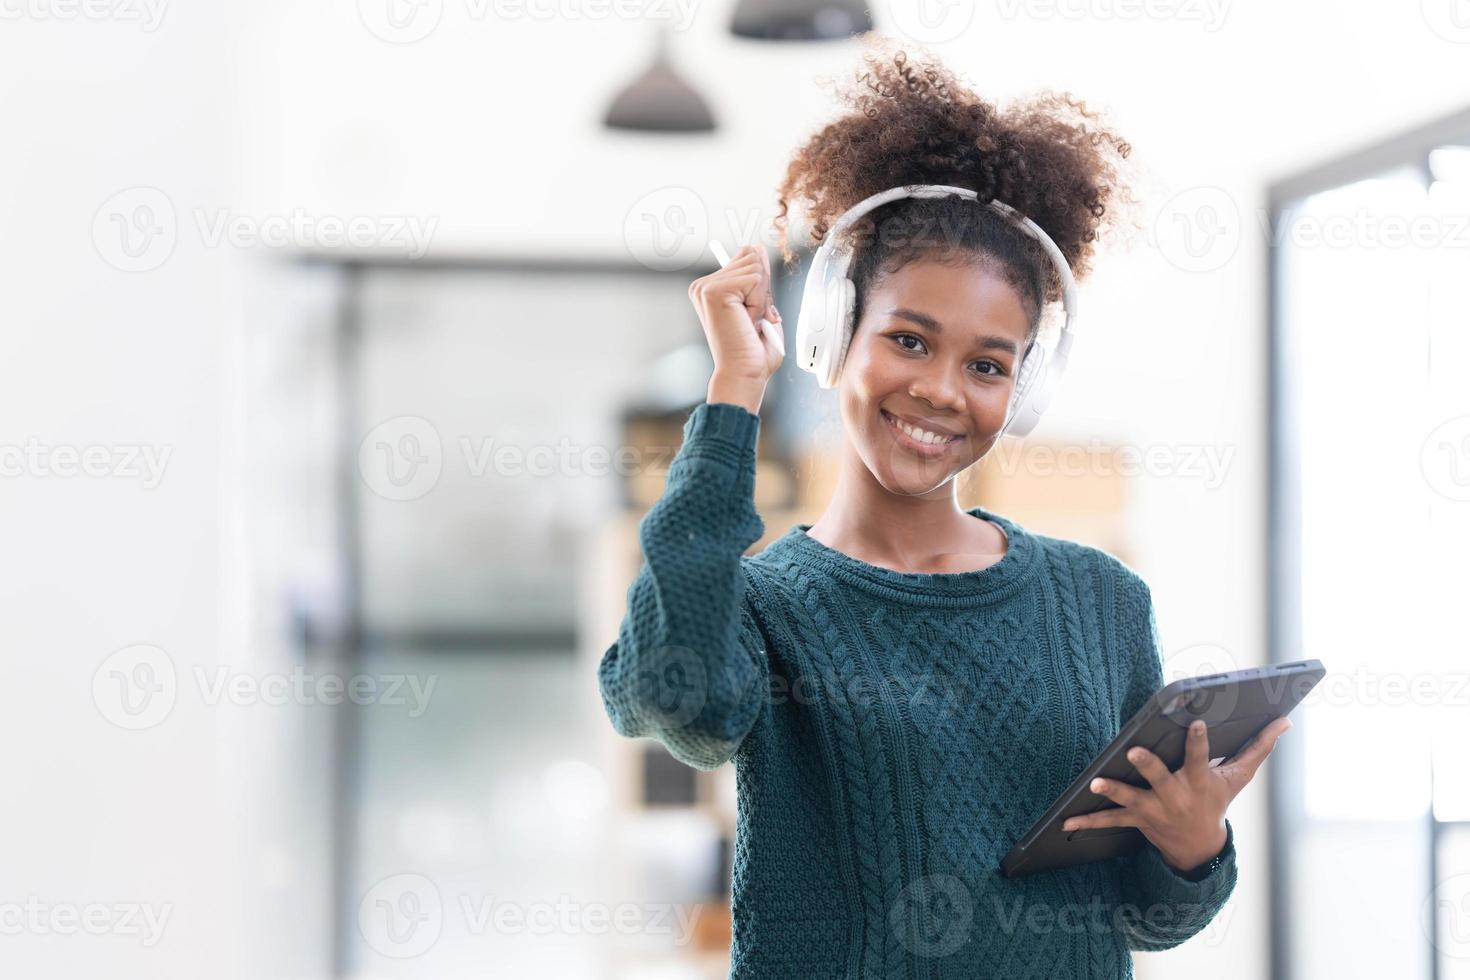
(929, 533)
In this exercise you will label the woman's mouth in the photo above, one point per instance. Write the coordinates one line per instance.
(916, 441)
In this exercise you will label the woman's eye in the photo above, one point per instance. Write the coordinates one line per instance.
(901, 339)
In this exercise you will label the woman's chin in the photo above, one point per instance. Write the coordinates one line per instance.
(912, 481)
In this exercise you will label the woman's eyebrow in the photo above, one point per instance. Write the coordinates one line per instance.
(987, 341)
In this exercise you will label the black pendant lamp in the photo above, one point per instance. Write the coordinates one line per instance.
(801, 20)
(659, 101)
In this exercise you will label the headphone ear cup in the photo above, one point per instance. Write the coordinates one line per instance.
(812, 320)
(840, 306)
(1030, 395)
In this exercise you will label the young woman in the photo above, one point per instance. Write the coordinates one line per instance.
(905, 685)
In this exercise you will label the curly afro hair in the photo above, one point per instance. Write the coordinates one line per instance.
(913, 122)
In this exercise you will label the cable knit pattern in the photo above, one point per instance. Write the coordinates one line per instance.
(893, 734)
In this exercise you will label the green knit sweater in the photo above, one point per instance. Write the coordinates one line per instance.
(893, 734)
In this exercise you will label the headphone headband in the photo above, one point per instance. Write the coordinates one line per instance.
(824, 325)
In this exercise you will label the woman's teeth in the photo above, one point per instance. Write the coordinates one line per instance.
(921, 435)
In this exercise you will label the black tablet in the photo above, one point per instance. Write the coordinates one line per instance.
(1234, 705)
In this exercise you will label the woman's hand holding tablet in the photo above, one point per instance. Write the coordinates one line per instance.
(1183, 813)
(1129, 796)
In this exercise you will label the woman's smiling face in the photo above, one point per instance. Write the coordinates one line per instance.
(937, 349)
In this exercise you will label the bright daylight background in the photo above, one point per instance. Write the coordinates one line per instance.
(246, 456)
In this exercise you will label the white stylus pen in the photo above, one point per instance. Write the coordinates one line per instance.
(763, 325)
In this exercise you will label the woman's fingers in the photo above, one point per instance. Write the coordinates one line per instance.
(1120, 793)
(1112, 817)
(761, 306)
(1150, 766)
(775, 337)
(1197, 746)
(770, 289)
(731, 303)
(752, 261)
(758, 285)
(1243, 769)
(1137, 806)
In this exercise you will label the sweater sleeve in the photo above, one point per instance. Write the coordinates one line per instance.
(689, 664)
(1163, 907)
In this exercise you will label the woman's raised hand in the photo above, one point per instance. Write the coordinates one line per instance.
(730, 303)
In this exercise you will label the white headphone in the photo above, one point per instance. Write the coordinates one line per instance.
(824, 325)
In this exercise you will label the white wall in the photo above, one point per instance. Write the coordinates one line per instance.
(112, 361)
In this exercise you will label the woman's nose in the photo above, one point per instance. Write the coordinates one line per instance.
(938, 388)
